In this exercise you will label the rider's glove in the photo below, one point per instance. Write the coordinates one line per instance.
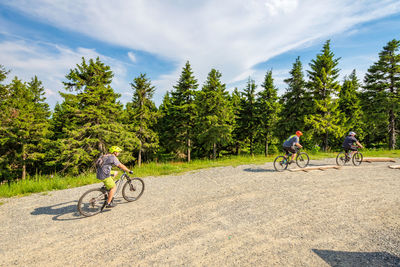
(131, 172)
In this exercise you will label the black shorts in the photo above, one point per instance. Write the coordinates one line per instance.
(352, 148)
(290, 149)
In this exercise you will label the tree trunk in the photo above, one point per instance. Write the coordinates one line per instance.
(188, 150)
(140, 154)
(214, 151)
(392, 130)
(251, 145)
(326, 142)
(266, 146)
(23, 162)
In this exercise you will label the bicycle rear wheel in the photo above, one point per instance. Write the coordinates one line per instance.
(302, 160)
(280, 163)
(92, 202)
(341, 159)
(357, 158)
(133, 189)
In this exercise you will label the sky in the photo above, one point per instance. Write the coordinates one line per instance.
(239, 38)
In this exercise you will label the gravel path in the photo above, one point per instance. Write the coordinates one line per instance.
(227, 216)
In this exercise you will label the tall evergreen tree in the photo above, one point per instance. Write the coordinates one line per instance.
(23, 132)
(236, 99)
(267, 109)
(142, 115)
(349, 104)
(183, 111)
(296, 103)
(247, 119)
(215, 114)
(90, 120)
(165, 125)
(381, 94)
(324, 87)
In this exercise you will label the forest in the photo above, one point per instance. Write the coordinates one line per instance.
(194, 121)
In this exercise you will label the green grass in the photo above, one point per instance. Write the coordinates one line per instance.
(44, 184)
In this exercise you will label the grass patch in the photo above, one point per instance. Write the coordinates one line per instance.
(44, 184)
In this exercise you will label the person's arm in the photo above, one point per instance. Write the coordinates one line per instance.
(298, 145)
(123, 167)
(358, 144)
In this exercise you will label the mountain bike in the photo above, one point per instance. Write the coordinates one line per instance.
(342, 158)
(281, 163)
(94, 200)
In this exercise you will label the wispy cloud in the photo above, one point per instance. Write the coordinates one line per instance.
(50, 63)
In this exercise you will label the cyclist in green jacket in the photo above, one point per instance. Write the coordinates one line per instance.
(104, 173)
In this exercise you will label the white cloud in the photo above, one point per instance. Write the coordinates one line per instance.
(51, 63)
(229, 35)
(132, 57)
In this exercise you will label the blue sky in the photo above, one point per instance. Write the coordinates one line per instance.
(241, 39)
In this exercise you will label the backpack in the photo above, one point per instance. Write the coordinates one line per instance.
(100, 162)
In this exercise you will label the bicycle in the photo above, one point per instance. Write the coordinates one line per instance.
(94, 200)
(342, 158)
(282, 162)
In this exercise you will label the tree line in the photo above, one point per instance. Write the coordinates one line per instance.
(194, 121)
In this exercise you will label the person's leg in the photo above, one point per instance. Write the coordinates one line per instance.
(111, 187)
(114, 188)
(294, 153)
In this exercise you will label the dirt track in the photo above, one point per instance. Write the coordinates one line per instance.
(229, 216)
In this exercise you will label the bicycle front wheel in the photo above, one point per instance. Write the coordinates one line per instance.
(133, 189)
(92, 202)
(357, 158)
(341, 159)
(302, 160)
(280, 163)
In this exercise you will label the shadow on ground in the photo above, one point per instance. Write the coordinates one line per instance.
(59, 210)
(356, 259)
(258, 170)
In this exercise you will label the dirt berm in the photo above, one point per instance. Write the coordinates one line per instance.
(229, 216)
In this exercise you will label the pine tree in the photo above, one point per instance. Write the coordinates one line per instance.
(381, 93)
(267, 109)
(349, 104)
(89, 122)
(296, 103)
(324, 87)
(183, 111)
(247, 119)
(25, 129)
(164, 126)
(236, 99)
(215, 115)
(142, 115)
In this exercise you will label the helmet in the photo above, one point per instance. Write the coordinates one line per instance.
(115, 149)
(352, 133)
(299, 133)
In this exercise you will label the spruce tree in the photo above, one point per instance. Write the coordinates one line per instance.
(267, 109)
(183, 112)
(381, 94)
(325, 122)
(89, 122)
(349, 105)
(142, 115)
(247, 119)
(296, 103)
(215, 114)
(236, 99)
(23, 132)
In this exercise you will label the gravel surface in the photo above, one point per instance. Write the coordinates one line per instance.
(226, 216)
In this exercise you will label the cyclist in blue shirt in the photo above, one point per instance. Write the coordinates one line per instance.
(351, 143)
(291, 143)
